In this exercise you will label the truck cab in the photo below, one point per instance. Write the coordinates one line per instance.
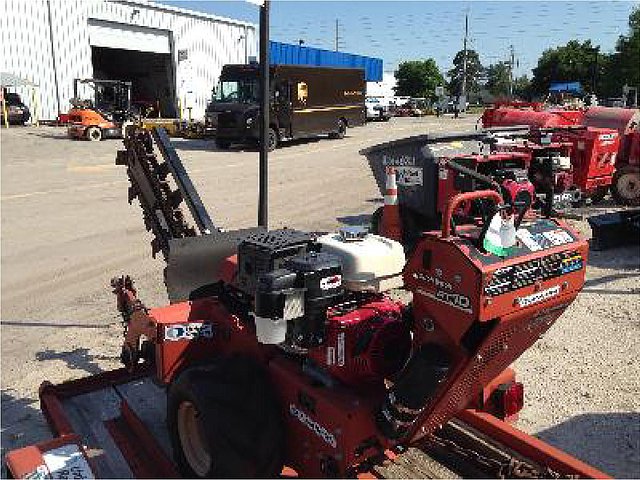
(305, 102)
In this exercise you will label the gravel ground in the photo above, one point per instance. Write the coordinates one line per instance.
(66, 230)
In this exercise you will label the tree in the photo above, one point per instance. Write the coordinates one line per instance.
(474, 71)
(418, 78)
(623, 66)
(522, 87)
(498, 79)
(573, 62)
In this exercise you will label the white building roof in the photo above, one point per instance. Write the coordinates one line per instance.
(183, 11)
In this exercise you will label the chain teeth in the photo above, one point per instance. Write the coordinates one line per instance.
(162, 213)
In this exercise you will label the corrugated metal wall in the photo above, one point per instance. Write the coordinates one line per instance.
(287, 54)
(29, 49)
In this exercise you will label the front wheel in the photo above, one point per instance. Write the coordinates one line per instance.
(598, 195)
(341, 130)
(224, 421)
(94, 134)
(626, 186)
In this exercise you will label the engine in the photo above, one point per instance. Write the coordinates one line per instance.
(324, 299)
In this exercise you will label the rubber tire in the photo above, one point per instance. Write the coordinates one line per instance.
(618, 197)
(272, 140)
(599, 194)
(223, 144)
(93, 134)
(341, 130)
(240, 415)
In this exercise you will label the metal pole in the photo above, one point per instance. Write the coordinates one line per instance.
(337, 34)
(463, 90)
(511, 63)
(594, 80)
(263, 211)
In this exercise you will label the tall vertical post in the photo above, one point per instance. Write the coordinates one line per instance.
(594, 79)
(463, 89)
(337, 34)
(263, 210)
(511, 63)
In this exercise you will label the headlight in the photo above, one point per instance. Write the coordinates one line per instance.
(249, 121)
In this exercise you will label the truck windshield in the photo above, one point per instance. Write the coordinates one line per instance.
(238, 91)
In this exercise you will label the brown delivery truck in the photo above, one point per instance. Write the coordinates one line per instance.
(305, 102)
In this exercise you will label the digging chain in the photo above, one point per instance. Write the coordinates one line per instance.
(513, 468)
(148, 179)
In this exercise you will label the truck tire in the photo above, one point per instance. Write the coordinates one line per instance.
(224, 421)
(94, 134)
(223, 144)
(341, 129)
(626, 186)
(272, 140)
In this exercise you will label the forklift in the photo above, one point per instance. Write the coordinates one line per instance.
(104, 117)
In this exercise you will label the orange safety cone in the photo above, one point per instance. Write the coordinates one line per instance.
(391, 225)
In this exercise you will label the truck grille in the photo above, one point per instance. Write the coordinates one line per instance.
(527, 273)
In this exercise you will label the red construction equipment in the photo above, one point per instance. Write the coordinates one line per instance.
(282, 348)
(625, 182)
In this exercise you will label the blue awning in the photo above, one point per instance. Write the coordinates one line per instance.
(569, 87)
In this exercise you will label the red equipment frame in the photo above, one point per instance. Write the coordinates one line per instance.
(146, 459)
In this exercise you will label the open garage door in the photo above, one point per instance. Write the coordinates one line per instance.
(139, 55)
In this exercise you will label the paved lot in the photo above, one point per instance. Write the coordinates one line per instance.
(67, 229)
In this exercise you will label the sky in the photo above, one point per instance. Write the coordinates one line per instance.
(408, 30)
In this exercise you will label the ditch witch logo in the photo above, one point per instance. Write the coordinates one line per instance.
(455, 300)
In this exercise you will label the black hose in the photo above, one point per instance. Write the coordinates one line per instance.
(488, 181)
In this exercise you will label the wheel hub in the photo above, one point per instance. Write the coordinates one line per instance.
(194, 446)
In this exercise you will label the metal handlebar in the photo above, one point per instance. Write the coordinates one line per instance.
(453, 204)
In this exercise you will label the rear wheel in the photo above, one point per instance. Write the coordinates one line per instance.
(626, 186)
(94, 134)
(272, 140)
(224, 421)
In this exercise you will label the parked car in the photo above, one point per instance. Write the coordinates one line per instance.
(17, 111)
(376, 110)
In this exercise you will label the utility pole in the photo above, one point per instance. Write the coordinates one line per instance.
(337, 34)
(462, 96)
(511, 63)
(463, 90)
(264, 116)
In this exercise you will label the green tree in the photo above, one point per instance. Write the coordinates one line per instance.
(418, 78)
(522, 87)
(498, 77)
(474, 71)
(623, 66)
(573, 62)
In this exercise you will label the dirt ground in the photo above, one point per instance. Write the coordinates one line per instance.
(67, 229)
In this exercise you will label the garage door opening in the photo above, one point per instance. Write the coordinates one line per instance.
(150, 74)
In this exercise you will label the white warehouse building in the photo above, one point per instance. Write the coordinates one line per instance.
(172, 56)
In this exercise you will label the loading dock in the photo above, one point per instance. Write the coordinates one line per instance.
(140, 55)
